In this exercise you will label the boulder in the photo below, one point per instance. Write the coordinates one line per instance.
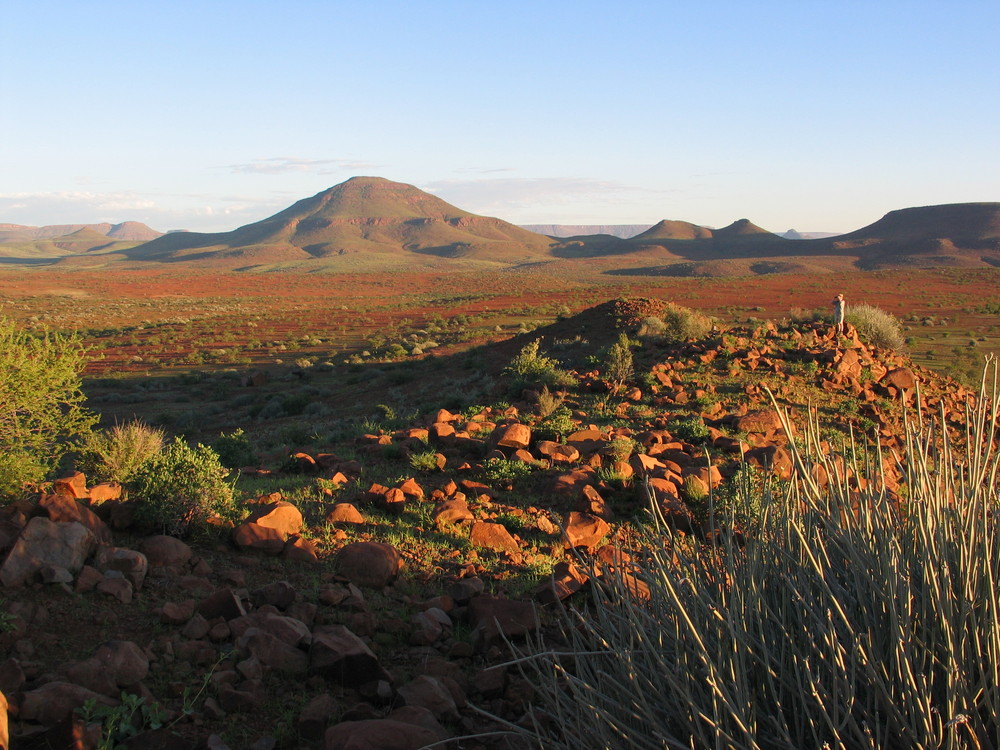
(452, 512)
(432, 694)
(371, 564)
(380, 734)
(584, 530)
(493, 536)
(515, 435)
(281, 516)
(163, 551)
(46, 543)
(345, 513)
(250, 535)
(339, 655)
(62, 508)
(55, 701)
(131, 563)
(497, 618)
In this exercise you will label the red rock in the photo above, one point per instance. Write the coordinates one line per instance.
(281, 516)
(451, 512)
(132, 564)
(300, 549)
(177, 613)
(646, 465)
(254, 536)
(591, 502)
(73, 485)
(64, 509)
(105, 491)
(412, 489)
(762, 420)
(273, 652)
(117, 588)
(313, 719)
(566, 580)
(346, 513)
(45, 543)
(493, 536)
(584, 530)
(587, 441)
(430, 693)
(339, 655)
(55, 701)
(515, 435)
(572, 483)
(223, 603)
(165, 551)
(379, 734)
(371, 564)
(557, 452)
(497, 618)
(901, 378)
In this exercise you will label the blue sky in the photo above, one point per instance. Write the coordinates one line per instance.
(207, 115)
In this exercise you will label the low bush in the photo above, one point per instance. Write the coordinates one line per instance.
(117, 453)
(531, 369)
(234, 449)
(675, 323)
(849, 618)
(181, 489)
(876, 326)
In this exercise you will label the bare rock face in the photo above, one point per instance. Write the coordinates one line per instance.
(453, 511)
(46, 543)
(371, 564)
(62, 508)
(345, 513)
(514, 435)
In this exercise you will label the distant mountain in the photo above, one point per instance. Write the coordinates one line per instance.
(791, 234)
(132, 231)
(622, 231)
(362, 215)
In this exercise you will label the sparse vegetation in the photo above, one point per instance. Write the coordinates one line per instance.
(676, 323)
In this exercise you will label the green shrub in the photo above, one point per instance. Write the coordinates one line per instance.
(688, 429)
(117, 453)
(234, 450)
(675, 324)
(618, 365)
(181, 489)
(557, 424)
(876, 326)
(848, 619)
(505, 469)
(42, 416)
(529, 368)
(425, 461)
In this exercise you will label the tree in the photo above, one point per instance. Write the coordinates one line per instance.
(41, 404)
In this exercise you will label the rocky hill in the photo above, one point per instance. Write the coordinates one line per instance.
(379, 604)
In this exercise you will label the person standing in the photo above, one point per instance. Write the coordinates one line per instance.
(839, 310)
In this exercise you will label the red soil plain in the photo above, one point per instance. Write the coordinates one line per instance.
(185, 312)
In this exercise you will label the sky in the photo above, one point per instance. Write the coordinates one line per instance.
(207, 115)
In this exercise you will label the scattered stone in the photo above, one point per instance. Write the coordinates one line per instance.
(584, 530)
(493, 536)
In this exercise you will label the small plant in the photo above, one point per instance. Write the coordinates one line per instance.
(548, 402)
(505, 469)
(529, 368)
(557, 424)
(116, 454)
(425, 461)
(182, 488)
(621, 448)
(688, 429)
(619, 365)
(131, 717)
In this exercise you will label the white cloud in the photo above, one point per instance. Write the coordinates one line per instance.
(546, 199)
(285, 164)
